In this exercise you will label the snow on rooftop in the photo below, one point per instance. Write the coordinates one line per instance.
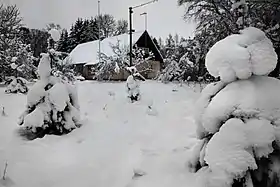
(87, 53)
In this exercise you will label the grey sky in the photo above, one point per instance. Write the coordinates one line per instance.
(164, 16)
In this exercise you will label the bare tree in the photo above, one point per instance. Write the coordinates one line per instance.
(107, 25)
(53, 26)
(121, 27)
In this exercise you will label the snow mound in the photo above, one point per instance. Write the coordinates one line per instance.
(240, 56)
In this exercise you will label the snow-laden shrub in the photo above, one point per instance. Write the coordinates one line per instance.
(238, 121)
(171, 72)
(183, 70)
(16, 85)
(189, 70)
(52, 104)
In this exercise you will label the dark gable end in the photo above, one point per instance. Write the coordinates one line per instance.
(146, 41)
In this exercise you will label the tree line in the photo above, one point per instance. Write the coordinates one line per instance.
(85, 30)
(20, 46)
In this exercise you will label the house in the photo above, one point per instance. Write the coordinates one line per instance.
(85, 57)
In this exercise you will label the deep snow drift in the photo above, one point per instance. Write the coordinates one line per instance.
(118, 142)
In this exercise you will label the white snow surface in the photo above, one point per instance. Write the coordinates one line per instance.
(88, 52)
(117, 139)
(240, 56)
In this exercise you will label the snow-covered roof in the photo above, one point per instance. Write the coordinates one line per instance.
(87, 53)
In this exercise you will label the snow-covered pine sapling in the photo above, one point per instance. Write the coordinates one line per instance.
(133, 84)
(52, 104)
(238, 117)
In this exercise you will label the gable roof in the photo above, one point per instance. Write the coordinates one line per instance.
(87, 53)
(146, 41)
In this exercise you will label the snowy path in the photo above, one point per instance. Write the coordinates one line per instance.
(118, 137)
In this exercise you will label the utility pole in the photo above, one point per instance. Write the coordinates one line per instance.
(130, 36)
(99, 29)
(130, 26)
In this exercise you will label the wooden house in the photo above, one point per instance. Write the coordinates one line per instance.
(85, 57)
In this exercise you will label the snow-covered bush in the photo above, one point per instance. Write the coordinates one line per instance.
(238, 118)
(16, 85)
(52, 104)
(182, 70)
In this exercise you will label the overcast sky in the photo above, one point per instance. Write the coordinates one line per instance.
(164, 16)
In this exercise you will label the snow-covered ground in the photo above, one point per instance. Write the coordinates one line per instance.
(117, 139)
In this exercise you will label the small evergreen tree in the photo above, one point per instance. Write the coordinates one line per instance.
(52, 104)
